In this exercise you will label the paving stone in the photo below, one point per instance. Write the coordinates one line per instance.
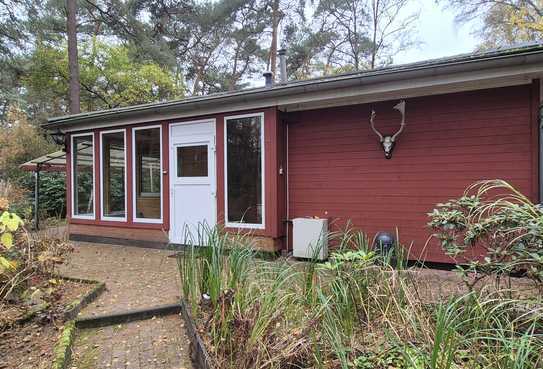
(135, 278)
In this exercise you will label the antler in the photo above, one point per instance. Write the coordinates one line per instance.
(401, 108)
(372, 124)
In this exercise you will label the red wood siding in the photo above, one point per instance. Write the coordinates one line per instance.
(337, 168)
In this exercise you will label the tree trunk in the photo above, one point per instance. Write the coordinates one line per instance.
(275, 31)
(73, 63)
(375, 10)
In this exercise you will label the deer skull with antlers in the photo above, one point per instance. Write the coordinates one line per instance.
(389, 141)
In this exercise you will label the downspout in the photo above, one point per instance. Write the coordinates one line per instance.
(287, 193)
(540, 153)
(541, 141)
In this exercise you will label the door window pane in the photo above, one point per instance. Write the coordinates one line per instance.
(244, 170)
(148, 172)
(192, 161)
(83, 176)
(113, 175)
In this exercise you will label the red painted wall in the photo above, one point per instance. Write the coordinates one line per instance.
(337, 168)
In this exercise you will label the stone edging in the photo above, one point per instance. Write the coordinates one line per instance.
(63, 347)
(200, 356)
(75, 307)
(127, 316)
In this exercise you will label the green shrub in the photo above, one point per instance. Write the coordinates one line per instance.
(53, 195)
(493, 216)
(24, 255)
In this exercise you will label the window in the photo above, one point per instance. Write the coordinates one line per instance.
(113, 167)
(148, 174)
(244, 171)
(83, 176)
(192, 161)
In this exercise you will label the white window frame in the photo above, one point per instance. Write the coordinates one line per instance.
(102, 216)
(134, 187)
(263, 177)
(73, 185)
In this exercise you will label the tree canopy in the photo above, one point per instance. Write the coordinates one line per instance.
(109, 77)
(139, 51)
(502, 22)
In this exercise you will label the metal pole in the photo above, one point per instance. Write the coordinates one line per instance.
(540, 141)
(37, 197)
(540, 155)
(540, 125)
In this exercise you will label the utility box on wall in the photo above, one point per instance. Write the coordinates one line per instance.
(309, 236)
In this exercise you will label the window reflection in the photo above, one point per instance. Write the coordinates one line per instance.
(148, 171)
(244, 170)
(113, 175)
(83, 176)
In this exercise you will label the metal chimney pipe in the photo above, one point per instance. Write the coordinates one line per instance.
(269, 78)
(283, 65)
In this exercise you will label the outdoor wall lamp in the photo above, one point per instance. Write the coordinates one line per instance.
(59, 138)
(389, 141)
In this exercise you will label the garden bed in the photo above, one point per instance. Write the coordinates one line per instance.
(30, 329)
(355, 311)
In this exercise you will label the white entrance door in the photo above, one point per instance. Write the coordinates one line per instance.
(192, 181)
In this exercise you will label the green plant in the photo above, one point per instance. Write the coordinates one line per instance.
(9, 224)
(333, 334)
(446, 335)
(53, 195)
(496, 217)
(187, 265)
(310, 271)
(24, 255)
(360, 314)
(401, 357)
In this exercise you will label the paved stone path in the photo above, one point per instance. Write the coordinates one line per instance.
(148, 344)
(135, 278)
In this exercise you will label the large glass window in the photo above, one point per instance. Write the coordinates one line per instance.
(83, 176)
(148, 173)
(244, 178)
(113, 175)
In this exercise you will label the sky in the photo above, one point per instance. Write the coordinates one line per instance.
(439, 35)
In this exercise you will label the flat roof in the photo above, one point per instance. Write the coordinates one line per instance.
(523, 54)
(52, 162)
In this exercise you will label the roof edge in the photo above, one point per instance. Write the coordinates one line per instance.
(442, 66)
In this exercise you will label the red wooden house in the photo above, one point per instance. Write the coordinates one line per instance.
(255, 158)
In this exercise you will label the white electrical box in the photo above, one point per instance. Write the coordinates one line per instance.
(310, 238)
